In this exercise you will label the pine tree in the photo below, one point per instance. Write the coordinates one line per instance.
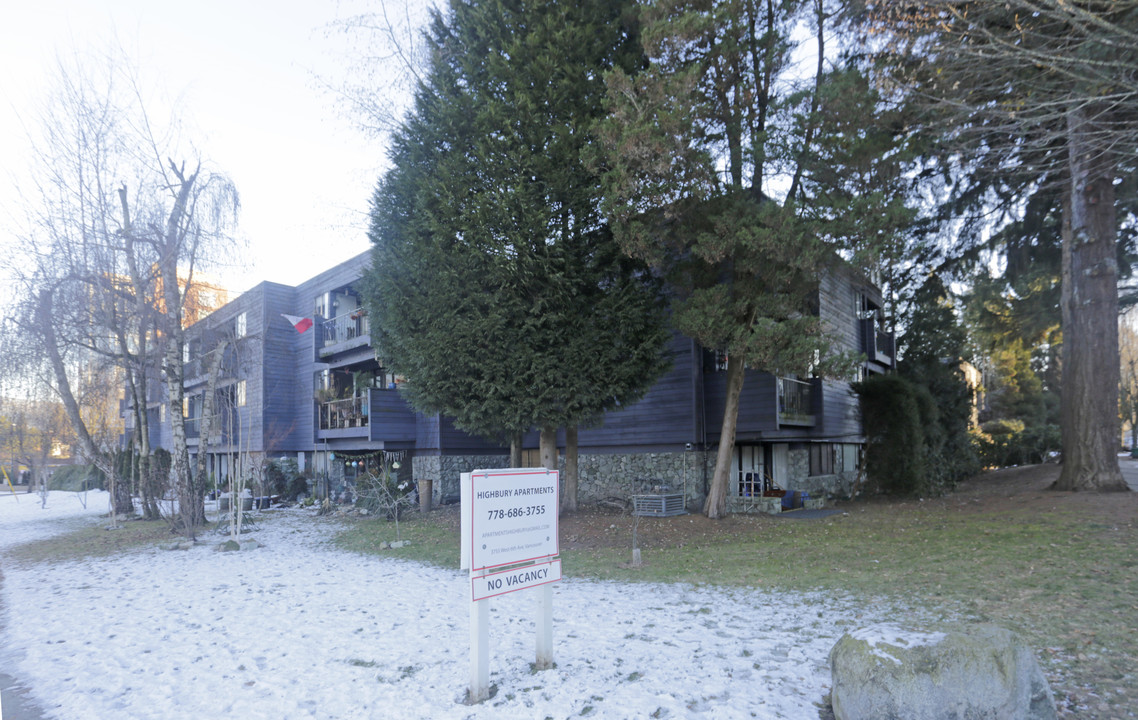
(496, 287)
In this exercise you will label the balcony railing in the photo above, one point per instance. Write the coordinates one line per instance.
(198, 367)
(346, 327)
(340, 414)
(221, 429)
(194, 426)
(884, 344)
(795, 402)
(878, 344)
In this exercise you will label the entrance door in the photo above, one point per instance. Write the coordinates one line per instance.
(531, 457)
(779, 455)
(747, 469)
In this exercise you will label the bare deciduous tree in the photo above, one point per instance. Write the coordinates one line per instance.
(116, 234)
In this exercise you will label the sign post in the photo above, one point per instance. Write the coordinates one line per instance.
(509, 543)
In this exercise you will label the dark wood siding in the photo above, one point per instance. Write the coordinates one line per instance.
(684, 406)
(758, 405)
(837, 307)
(281, 393)
(390, 418)
(665, 416)
(453, 441)
(304, 346)
(427, 435)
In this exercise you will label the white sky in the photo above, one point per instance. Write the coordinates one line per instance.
(244, 72)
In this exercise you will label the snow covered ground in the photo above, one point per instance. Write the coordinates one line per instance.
(299, 629)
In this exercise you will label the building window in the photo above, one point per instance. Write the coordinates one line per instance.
(162, 413)
(822, 459)
(715, 361)
(241, 328)
(239, 394)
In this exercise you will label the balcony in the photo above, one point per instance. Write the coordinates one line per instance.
(223, 430)
(877, 344)
(344, 414)
(196, 371)
(795, 402)
(194, 427)
(345, 332)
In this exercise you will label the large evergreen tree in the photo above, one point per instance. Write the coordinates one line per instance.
(496, 287)
(743, 182)
(1044, 92)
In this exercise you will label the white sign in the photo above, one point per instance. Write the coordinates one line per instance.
(512, 517)
(507, 581)
(509, 517)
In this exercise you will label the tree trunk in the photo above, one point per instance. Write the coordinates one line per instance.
(191, 508)
(716, 505)
(1091, 373)
(569, 498)
(87, 448)
(548, 448)
(123, 503)
(136, 371)
(207, 415)
(516, 450)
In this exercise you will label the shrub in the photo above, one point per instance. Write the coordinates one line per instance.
(74, 478)
(1002, 443)
(384, 493)
(296, 487)
(895, 440)
(276, 477)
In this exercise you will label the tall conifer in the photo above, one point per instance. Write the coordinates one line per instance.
(496, 287)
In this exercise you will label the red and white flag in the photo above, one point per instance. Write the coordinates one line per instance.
(300, 323)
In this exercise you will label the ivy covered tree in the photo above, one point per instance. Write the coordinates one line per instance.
(496, 287)
(743, 182)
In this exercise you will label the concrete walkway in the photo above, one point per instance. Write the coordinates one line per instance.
(14, 701)
(1129, 469)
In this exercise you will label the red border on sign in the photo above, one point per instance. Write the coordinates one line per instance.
(556, 519)
(476, 578)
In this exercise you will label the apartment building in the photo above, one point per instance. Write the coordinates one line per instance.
(314, 392)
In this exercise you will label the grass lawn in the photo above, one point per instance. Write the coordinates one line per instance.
(95, 541)
(1061, 569)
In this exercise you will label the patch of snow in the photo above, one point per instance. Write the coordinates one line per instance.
(885, 634)
(299, 629)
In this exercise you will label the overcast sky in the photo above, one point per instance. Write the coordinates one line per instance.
(245, 73)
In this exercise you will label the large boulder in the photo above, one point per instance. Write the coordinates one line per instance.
(887, 673)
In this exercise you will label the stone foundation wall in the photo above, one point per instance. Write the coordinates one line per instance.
(838, 485)
(443, 471)
(599, 476)
(625, 474)
(622, 475)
